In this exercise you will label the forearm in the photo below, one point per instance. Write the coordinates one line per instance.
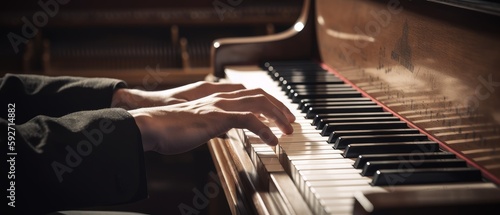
(56, 96)
(130, 99)
(82, 159)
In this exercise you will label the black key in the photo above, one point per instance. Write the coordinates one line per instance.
(336, 134)
(317, 119)
(312, 74)
(288, 68)
(311, 89)
(295, 63)
(392, 177)
(306, 100)
(323, 122)
(308, 105)
(294, 71)
(297, 78)
(297, 96)
(303, 68)
(286, 84)
(298, 71)
(342, 142)
(372, 166)
(354, 150)
(317, 86)
(363, 159)
(314, 88)
(340, 94)
(309, 100)
(312, 80)
(313, 111)
(331, 127)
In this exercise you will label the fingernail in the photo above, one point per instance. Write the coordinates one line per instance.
(268, 137)
(290, 129)
(273, 142)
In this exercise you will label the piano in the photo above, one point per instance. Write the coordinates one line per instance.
(396, 104)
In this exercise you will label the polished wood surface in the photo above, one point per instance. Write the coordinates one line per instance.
(296, 43)
(435, 65)
(458, 202)
(254, 186)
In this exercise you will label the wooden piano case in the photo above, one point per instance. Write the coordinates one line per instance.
(432, 63)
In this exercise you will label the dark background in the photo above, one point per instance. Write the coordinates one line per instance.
(121, 39)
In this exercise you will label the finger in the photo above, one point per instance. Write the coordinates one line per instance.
(211, 88)
(250, 122)
(174, 101)
(257, 104)
(204, 89)
(249, 92)
(226, 87)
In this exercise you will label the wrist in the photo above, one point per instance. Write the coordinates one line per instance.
(143, 122)
(119, 97)
(126, 98)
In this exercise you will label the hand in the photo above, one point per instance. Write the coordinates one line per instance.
(181, 127)
(134, 98)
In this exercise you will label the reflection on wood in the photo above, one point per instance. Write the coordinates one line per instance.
(432, 66)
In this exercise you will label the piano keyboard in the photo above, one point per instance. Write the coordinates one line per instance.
(344, 143)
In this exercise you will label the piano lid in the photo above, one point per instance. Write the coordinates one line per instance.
(435, 65)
